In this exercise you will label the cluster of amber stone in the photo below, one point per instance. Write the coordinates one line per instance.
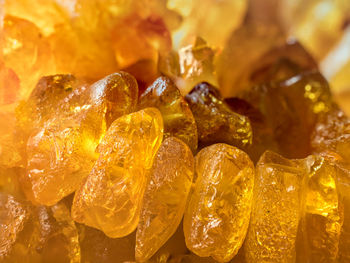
(136, 152)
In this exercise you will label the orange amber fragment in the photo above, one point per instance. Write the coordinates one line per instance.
(276, 211)
(61, 153)
(322, 217)
(218, 213)
(165, 197)
(9, 85)
(110, 198)
(292, 108)
(36, 234)
(215, 120)
(177, 116)
(332, 132)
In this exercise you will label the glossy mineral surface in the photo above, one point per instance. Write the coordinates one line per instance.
(217, 216)
(165, 197)
(111, 196)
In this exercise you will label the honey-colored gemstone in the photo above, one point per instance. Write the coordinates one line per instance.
(322, 216)
(177, 116)
(36, 234)
(218, 213)
(165, 197)
(343, 188)
(215, 120)
(189, 66)
(110, 198)
(332, 132)
(292, 108)
(73, 119)
(276, 211)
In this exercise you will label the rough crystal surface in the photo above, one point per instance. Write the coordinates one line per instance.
(111, 196)
(177, 116)
(218, 213)
(165, 197)
(216, 122)
(276, 211)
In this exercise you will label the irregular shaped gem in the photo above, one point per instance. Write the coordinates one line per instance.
(276, 210)
(215, 121)
(38, 234)
(332, 132)
(217, 216)
(322, 216)
(263, 137)
(165, 197)
(62, 152)
(343, 188)
(110, 198)
(292, 108)
(191, 65)
(177, 116)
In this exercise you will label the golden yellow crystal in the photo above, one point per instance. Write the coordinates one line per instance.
(36, 234)
(276, 211)
(177, 116)
(321, 220)
(61, 153)
(165, 197)
(218, 213)
(111, 196)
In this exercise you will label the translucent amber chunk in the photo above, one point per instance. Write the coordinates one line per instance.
(36, 234)
(292, 108)
(332, 132)
(215, 120)
(218, 213)
(165, 197)
(276, 211)
(61, 153)
(322, 216)
(177, 116)
(111, 196)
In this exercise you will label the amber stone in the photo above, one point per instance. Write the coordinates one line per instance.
(36, 234)
(292, 108)
(332, 132)
(189, 66)
(322, 215)
(218, 213)
(276, 210)
(73, 119)
(110, 198)
(165, 197)
(177, 116)
(215, 121)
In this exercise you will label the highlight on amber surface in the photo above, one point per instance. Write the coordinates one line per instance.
(175, 131)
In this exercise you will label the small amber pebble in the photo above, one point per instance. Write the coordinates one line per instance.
(215, 121)
(36, 234)
(276, 211)
(217, 216)
(165, 197)
(177, 116)
(111, 196)
(322, 216)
